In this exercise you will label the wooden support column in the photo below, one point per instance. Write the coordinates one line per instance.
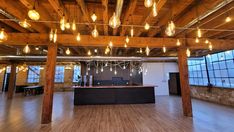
(184, 82)
(47, 105)
(11, 87)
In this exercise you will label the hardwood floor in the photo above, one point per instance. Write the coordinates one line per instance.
(24, 114)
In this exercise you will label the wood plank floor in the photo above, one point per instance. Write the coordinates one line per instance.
(22, 114)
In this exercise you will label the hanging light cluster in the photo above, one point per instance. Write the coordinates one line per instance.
(53, 35)
(170, 29)
(3, 35)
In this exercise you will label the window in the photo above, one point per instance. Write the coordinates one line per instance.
(33, 74)
(220, 69)
(197, 71)
(76, 72)
(59, 74)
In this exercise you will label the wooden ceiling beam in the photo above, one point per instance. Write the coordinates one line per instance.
(102, 41)
(177, 9)
(59, 7)
(150, 19)
(15, 9)
(200, 8)
(105, 16)
(84, 11)
(13, 25)
(128, 15)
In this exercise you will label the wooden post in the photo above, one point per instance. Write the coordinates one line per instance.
(184, 82)
(11, 87)
(47, 105)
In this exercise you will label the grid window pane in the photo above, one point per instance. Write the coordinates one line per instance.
(59, 74)
(76, 73)
(33, 74)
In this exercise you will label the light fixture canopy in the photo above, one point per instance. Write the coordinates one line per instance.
(114, 21)
(3, 35)
(24, 23)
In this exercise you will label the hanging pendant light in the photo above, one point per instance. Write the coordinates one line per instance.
(111, 44)
(24, 24)
(67, 25)
(94, 17)
(178, 42)
(62, 23)
(95, 32)
(148, 3)
(125, 45)
(68, 52)
(141, 50)
(107, 50)
(132, 31)
(155, 13)
(33, 14)
(210, 47)
(127, 39)
(228, 19)
(197, 40)
(164, 49)
(3, 35)
(147, 26)
(188, 53)
(74, 25)
(199, 34)
(207, 41)
(89, 53)
(51, 35)
(114, 21)
(170, 29)
(147, 50)
(78, 37)
(55, 36)
(26, 49)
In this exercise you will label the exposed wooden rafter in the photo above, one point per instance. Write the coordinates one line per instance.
(102, 41)
(105, 16)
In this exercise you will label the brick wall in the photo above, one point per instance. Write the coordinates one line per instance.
(223, 96)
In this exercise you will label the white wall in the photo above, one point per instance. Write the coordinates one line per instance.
(158, 74)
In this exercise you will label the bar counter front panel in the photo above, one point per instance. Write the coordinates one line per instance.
(113, 95)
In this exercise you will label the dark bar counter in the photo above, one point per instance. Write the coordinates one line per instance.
(90, 95)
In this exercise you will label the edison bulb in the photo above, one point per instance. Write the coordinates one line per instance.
(132, 31)
(210, 47)
(147, 26)
(51, 35)
(95, 32)
(33, 14)
(3, 35)
(24, 24)
(62, 23)
(155, 13)
(94, 17)
(78, 37)
(55, 36)
(197, 40)
(178, 42)
(125, 45)
(68, 52)
(147, 51)
(74, 25)
(188, 53)
(26, 49)
(199, 33)
(127, 39)
(228, 19)
(170, 29)
(164, 49)
(110, 44)
(67, 25)
(89, 53)
(148, 3)
(114, 21)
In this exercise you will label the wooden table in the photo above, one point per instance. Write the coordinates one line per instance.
(139, 94)
(33, 90)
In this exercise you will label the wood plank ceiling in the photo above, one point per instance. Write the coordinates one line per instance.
(184, 13)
